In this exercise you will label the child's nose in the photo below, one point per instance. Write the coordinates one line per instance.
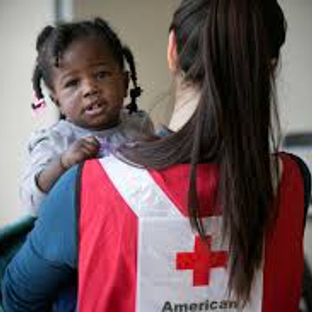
(90, 87)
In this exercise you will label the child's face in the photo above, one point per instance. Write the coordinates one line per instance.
(88, 86)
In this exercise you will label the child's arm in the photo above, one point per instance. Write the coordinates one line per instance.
(45, 148)
(79, 151)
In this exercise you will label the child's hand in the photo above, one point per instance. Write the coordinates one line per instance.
(80, 150)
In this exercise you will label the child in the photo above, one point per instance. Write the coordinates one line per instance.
(82, 64)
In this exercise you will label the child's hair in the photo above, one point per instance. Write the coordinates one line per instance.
(229, 49)
(52, 43)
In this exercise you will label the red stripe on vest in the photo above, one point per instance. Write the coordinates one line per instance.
(107, 246)
(284, 245)
(174, 181)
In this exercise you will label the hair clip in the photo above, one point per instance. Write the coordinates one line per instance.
(38, 105)
(135, 92)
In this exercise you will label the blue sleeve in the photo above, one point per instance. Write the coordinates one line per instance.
(48, 259)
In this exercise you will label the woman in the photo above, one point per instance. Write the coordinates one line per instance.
(203, 219)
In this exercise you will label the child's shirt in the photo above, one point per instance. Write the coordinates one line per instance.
(47, 145)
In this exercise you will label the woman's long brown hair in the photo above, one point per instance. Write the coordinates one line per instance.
(229, 48)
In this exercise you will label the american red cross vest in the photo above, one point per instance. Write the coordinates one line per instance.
(137, 251)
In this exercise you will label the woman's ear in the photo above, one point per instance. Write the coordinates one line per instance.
(172, 55)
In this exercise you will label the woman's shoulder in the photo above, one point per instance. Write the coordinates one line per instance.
(288, 159)
(291, 161)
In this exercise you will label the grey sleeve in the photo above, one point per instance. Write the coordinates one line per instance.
(43, 147)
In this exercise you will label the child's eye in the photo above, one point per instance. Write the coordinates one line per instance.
(102, 74)
(72, 83)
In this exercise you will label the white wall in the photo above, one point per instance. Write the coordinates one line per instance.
(20, 21)
(295, 87)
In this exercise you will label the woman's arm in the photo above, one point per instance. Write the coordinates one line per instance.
(49, 256)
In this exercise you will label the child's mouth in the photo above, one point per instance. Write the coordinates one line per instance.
(95, 109)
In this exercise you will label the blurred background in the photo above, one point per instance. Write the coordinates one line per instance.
(143, 25)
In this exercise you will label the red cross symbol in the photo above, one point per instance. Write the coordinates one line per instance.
(201, 261)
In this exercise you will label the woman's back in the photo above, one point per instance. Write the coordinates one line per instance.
(155, 262)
